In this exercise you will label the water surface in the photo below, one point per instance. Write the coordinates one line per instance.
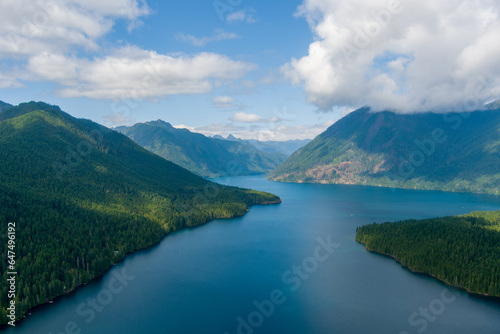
(220, 277)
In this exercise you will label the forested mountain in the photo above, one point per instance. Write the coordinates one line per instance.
(463, 251)
(286, 147)
(4, 106)
(451, 152)
(205, 156)
(83, 196)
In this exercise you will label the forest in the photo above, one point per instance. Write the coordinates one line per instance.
(82, 197)
(462, 251)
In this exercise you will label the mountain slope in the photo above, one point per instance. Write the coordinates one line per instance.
(4, 106)
(286, 147)
(83, 196)
(452, 152)
(207, 157)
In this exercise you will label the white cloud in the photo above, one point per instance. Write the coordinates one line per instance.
(228, 103)
(117, 119)
(245, 15)
(217, 36)
(223, 102)
(31, 27)
(279, 133)
(133, 73)
(7, 81)
(252, 118)
(405, 55)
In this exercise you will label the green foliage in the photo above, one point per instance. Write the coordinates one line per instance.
(207, 157)
(463, 251)
(395, 150)
(4, 106)
(83, 196)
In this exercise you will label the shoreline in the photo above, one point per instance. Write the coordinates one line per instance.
(475, 294)
(44, 304)
(386, 187)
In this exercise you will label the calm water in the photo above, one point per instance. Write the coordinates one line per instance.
(220, 277)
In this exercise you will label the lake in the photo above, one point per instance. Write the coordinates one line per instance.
(291, 268)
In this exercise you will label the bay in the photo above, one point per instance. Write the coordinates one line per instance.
(289, 268)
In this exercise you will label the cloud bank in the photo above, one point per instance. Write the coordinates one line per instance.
(61, 41)
(403, 55)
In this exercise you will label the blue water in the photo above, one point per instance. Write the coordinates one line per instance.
(238, 275)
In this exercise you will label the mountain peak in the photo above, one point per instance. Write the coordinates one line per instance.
(26, 108)
(493, 105)
(232, 138)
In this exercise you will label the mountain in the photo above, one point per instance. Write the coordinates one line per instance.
(286, 147)
(450, 152)
(493, 105)
(4, 106)
(80, 197)
(207, 157)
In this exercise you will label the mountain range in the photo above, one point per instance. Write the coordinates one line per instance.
(205, 156)
(286, 147)
(82, 196)
(450, 152)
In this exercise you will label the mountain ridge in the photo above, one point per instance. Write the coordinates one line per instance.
(83, 196)
(451, 152)
(205, 156)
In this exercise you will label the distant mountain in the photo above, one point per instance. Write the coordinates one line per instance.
(493, 105)
(81, 197)
(286, 147)
(451, 152)
(205, 156)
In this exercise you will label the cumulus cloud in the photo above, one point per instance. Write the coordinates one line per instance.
(404, 55)
(31, 27)
(133, 73)
(7, 81)
(252, 118)
(217, 36)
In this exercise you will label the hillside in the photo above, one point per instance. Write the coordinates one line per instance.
(83, 196)
(463, 251)
(207, 157)
(451, 152)
(286, 147)
(4, 106)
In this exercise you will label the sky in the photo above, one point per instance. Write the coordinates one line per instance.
(267, 70)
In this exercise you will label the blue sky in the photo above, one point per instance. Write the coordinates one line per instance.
(270, 70)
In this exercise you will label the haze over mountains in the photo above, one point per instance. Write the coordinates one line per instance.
(209, 156)
(83, 196)
(286, 147)
(451, 152)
